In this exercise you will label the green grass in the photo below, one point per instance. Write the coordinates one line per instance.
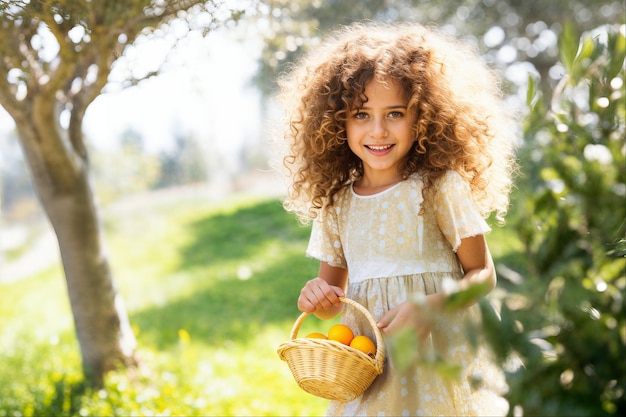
(211, 292)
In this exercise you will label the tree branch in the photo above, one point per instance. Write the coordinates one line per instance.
(7, 93)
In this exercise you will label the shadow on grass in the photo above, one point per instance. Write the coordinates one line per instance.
(227, 308)
(239, 234)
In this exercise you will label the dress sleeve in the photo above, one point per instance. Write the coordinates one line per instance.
(325, 242)
(455, 210)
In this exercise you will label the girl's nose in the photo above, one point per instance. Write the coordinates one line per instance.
(379, 128)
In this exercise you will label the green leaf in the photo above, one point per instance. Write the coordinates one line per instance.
(446, 369)
(403, 349)
(461, 298)
(617, 53)
(568, 46)
(492, 327)
(588, 51)
(587, 48)
(533, 95)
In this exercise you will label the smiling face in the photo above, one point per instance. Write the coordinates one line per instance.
(380, 133)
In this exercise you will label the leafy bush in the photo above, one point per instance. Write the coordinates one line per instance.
(571, 209)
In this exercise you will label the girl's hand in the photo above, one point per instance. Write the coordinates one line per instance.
(413, 315)
(319, 296)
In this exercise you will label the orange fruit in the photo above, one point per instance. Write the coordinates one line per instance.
(365, 345)
(341, 333)
(316, 335)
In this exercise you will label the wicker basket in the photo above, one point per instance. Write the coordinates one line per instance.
(329, 369)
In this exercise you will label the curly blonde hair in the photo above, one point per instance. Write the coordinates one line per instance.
(461, 121)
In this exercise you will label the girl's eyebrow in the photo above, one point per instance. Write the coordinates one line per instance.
(395, 106)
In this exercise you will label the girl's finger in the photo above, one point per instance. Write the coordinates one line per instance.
(386, 319)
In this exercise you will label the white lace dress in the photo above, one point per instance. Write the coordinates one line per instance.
(393, 249)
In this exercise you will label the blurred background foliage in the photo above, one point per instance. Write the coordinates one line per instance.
(513, 35)
(569, 212)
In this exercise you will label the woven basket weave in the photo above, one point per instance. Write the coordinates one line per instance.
(330, 369)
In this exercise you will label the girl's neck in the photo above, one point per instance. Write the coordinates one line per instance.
(366, 186)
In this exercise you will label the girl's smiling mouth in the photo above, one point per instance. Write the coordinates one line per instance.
(379, 149)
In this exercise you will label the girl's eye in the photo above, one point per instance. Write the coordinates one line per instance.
(360, 115)
(395, 114)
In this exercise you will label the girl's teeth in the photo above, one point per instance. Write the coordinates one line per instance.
(379, 148)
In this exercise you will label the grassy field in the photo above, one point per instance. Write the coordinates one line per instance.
(211, 292)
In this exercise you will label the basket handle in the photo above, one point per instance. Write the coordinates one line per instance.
(380, 345)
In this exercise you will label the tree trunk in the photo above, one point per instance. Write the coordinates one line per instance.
(105, 337)
(35, 91)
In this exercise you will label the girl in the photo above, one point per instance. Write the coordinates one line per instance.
(399, 149)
